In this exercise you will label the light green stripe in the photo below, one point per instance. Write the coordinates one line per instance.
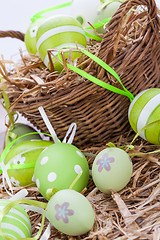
(59, 39)
(11, 232)
(54, 22)
(138, 104)
(16, 222)
(152, 133)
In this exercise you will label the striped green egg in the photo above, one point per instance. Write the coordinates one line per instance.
(56, 32)
(145, 109)
(30, 36)
(16, 223)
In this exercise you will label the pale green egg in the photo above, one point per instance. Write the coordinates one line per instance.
(112, 170)
(70, 212)
(21, 161)
(143, 110)
(58, 166)
(16, 223)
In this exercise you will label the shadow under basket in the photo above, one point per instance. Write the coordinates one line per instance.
(130, 45)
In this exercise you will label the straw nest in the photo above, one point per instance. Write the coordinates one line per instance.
(133, 213)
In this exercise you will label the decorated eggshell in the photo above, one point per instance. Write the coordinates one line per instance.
(16, 223)
(85, 11)
(107, 12)
(145, 109)
(58, 166)
(112, 169)
(21, 160)
(70, 212)
(30, 36)
(19, 130)
(59, 31)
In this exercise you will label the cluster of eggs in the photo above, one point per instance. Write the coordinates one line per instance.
(59, 30)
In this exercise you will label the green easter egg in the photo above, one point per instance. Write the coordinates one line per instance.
(30, 36)
(58, 166)
(112, 169)
(21, 160)
(19, 130)
(145, 109)
(70, 212)
(16, 223)
(56, 32)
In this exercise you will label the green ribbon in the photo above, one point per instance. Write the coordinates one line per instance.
(96, 26)
(95, 80)
(7, 208)
(41, 13)
(8, 147)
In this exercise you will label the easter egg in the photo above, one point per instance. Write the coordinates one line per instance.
(16, 223)
(19, 130)
(109, 9)
(70, 212)
(58, 166)
(145, 109)
(112, 169)
(85, 11)
(30, 36)
(21, 161)
(56, 32)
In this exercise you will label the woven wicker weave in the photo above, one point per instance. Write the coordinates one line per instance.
(131, 46)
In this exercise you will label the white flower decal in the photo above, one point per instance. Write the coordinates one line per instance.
(19, 159)
(15, 182)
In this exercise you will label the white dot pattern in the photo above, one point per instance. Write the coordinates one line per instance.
(79, 153)
(77, 169)
(44, 160)
(52, 177)
(38, 183)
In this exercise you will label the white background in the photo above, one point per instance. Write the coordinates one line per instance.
(15, 15)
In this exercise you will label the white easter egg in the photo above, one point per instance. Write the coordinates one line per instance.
(85, 11)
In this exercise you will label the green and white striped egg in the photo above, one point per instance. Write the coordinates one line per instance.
(145, 109)
(30, 36)
(16, 223)
(56, 32)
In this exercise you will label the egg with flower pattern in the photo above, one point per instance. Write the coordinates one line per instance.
(70, 212)
(58, 166)
(112, 169)
(21, 159)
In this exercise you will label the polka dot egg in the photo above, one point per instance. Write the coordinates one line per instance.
(145, 109)
(56, 32)
(21, 159)
(112, 169)
(16, 223)
(70, 212)
(58, 166)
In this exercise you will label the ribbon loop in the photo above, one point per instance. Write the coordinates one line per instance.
(72, 130)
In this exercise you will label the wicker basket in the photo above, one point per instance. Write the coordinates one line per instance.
(131, 46)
